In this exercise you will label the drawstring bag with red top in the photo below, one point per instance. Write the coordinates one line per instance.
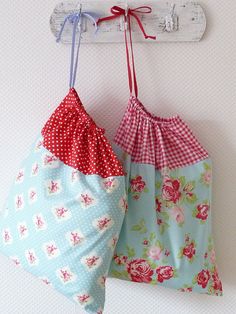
(66, 207)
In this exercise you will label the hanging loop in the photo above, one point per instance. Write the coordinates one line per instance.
(76, 20)
(127, 13)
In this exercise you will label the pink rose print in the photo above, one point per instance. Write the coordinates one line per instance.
(155, 253)
(66, 275)
(159, 221)
(87, 200)
(23, 230)
(35, 169)
(83, 298)
(164, 273)
(139, 270)
(31, 257)
(50, 161)
(206, 175)
(178, 214)
(74, 175)
(39, 222)
(61, 212)
(203, 278)
(19, 202)
(113, 241)
(75, 238)
(158, 205)
(20, 176)
(217, 285)
(145, 242)
(202, 211)
(120, 260)
(103, 223)
(110, 184)
(137, 186)
(167, 252)
(171, 190)
(53, 187)
(186, 289)
(46, 281)
(91, 261)
(189, 250)
(51, 250)
(7, 238)
(123, 204)
(32, 195)
(15, 260)
(188, 189)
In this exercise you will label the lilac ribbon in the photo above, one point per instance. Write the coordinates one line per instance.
(76, 19)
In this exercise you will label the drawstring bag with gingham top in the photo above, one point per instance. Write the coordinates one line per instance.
(166, 238)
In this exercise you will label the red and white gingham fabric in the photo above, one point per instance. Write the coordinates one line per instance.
(163, 142)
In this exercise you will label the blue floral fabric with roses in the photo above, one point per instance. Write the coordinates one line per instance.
(166, 238)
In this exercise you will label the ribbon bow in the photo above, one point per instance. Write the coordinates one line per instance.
(118, 11)
(75, 19)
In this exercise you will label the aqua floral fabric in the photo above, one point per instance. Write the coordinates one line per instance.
(60, 225)
(166, 238)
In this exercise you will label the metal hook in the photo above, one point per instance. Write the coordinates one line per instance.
(171, 20)
(126, 15)
(172, 9)
(126, 8)
(80, 12)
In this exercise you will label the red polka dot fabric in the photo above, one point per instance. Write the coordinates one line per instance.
(71, 135)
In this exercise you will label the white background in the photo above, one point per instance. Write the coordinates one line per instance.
(195, 80)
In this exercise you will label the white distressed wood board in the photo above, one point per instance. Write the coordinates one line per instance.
(191, 22)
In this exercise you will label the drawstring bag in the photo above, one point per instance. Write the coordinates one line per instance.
(66, 207)
(166, 238)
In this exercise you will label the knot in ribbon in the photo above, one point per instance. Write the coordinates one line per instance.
(118, 11)
(75, 19)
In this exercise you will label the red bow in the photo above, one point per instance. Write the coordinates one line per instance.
(118, 11)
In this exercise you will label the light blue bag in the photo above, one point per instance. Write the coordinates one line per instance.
(66, 207)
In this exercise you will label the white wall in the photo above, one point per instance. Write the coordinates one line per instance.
(195, 80)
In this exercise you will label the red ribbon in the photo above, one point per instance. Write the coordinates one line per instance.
(117, 12)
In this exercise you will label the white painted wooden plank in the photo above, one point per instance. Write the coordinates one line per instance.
(191, 21)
